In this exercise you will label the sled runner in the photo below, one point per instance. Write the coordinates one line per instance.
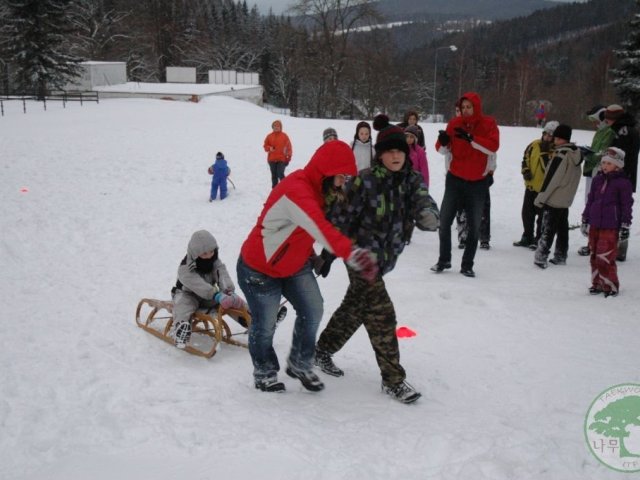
(207, 328)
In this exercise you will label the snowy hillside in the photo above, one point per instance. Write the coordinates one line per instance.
(98, 204)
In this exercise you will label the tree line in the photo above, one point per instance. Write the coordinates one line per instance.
(332, 58)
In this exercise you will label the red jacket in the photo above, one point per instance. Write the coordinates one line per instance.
(293, 216)
(469, 160)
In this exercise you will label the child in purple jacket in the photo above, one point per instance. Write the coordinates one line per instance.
(606, 219)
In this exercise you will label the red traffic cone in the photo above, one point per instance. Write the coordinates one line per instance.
(405, 332)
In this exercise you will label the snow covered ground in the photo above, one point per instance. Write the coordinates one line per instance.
(98, 204)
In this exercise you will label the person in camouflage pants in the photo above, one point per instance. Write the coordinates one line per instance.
(382, 206)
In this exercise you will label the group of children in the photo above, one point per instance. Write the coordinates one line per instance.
(361, 203)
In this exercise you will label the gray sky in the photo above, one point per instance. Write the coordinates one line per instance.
(279, 6)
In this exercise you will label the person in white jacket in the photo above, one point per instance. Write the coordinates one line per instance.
(362, 146)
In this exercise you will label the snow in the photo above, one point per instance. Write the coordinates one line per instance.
(99, 202)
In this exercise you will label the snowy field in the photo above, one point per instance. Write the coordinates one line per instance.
(98, 204)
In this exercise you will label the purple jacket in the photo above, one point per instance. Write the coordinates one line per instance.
(609, 202)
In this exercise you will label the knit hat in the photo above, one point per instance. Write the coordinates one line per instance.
(389, 136)
(329, 132)
(615, 156)
(613, 112)
(413, 130)
(219, 155)
(550, 127)
(596, 113)
(563, 131)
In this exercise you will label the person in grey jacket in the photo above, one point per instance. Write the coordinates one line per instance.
(203, 282)
(558, 190)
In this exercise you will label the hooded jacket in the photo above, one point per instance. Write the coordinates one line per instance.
(609, 202)
(278, 146)
(293, 217)
(469, 159)
(418, 158)
(203, 284)
(562, 178)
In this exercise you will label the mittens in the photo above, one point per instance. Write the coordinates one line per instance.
(463, 134)
(230, 301)
(444, 138)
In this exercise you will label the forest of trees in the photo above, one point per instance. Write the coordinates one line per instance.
(320, 62)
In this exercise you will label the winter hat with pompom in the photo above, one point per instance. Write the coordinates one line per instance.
(550, 127)
(389, 137)
(615, 156)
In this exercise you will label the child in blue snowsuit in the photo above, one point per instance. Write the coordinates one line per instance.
(220, 172)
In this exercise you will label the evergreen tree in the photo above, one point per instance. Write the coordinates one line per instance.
(626, 78)
(39, 47)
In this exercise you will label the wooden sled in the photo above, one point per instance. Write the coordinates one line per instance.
(204, 326)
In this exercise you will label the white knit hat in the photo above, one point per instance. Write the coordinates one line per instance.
(550, 127)
(615, 156)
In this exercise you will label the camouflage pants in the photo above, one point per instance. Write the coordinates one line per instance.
(369, 305)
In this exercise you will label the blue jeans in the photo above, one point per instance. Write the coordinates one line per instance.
(263, 294)
(470, 196)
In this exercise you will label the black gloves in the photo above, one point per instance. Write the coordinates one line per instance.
(322, 263)
(624, 232)
(527, 175)
(463, 134)
(443, 138)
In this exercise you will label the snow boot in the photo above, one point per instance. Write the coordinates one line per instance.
(485, 245)
(270, 384)
(183, 334)
(309, 380)
(523, 242)
(595, 291)
(558, 260)
(325, 363)
(584, 251)
(440, 267)
(403, 392)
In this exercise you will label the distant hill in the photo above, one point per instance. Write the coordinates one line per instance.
(460, 9)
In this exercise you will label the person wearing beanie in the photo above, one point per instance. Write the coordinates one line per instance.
(534, 163)
(606, 220)
(329, 135)
(411, 120)
(279, 152)
(362, 146)
(556, 196)
(383, 205)
(220, 171)
(275, 261)
(417, 154)
(627, 139)
(601, 140)
(472, 139)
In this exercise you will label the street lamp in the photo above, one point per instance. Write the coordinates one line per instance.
(453, 48)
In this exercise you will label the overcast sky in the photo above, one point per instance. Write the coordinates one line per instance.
(279, 6)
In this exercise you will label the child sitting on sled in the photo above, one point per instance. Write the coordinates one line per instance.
(203, 282)
(220, 171)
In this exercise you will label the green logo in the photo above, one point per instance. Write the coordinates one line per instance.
(612, 427)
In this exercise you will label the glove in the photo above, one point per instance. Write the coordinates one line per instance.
(586, 150)
(230, 301)
(443, 138)
(463, 134)
(624, 232)
(584, 229)
(527, 175)
(428, 219)
(365, 262)
(322, 263)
